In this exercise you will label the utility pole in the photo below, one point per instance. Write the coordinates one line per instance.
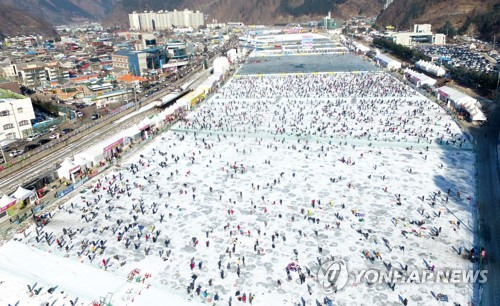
(498, 65)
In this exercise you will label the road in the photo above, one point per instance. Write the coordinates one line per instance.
(489, 203)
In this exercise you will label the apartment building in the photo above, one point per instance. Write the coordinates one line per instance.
(164, 20)
(16, 113)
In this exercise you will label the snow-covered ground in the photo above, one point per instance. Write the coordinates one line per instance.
(255, 184)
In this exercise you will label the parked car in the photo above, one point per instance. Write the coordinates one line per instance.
(66, 131)
(95, 116)
(79, 114)
(53, 128)
(80, 106)
(33, 137)
(53, 136)
(43, 141)
(31, 147)
(15, 153)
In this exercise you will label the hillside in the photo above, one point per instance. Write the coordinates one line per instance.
(467, 16)
(63, 11)
(14, 22)
(252, 11)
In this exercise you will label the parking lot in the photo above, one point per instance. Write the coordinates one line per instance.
(460, 56)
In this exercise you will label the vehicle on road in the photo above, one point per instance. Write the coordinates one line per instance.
(66, 131)
(53, 128)
(31, 147)
(33, 137)
(15, 153)
(53, 136)
(43, 141)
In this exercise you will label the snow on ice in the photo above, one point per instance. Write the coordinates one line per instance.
(271, 171)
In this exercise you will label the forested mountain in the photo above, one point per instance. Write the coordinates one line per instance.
(477, 17)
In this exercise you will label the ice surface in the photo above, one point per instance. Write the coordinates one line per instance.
(243, 165)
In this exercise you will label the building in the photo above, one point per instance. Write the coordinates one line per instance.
(421, 34)
(387, 62)
(328, 23)
(32, 74)
(147, 61)
(165, 20)
(177, 50)
(54, 72)
(8, 71)
(16, 113)
(104, 99)
(120, 59)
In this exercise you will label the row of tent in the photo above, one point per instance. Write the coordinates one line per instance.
(460, 100)
(221, 66)
(419, 79)
(92, 156)
(21, 195)
(430, 68)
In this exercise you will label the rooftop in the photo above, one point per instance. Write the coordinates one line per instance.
(6, 94)
(122, 52)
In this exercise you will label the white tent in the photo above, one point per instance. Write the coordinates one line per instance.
(221, 65)
(477, 115)
(82, 161)
(144, 124)
(387, 62)
(68, 169)
(168, 111)
(360, 47)
(94, 154)
(431, 68)
(458, 99)
(22, 194)
(131, 132)
(5, 202)
(418, 78)
(158, 120)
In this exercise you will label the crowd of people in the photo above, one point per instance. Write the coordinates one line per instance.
(239, 217)
(395, 113)
(322, 85)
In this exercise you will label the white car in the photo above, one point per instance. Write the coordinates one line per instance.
(53, 136)
(53, 128)
(15, 153)
(33, 137)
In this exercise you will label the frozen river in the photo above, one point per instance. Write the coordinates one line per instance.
(251, 184)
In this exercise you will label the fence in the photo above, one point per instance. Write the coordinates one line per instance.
(38, 127)
(64, 192)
